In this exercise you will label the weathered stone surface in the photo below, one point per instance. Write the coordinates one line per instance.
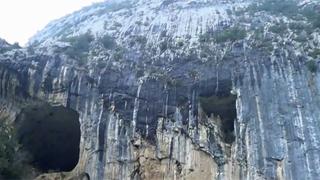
(141, 115)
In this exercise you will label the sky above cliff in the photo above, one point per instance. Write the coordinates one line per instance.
(20, 19)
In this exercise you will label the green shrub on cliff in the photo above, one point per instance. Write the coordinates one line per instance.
(289, 8)
(8, 151)
(279, 29)
(283, 7)
(231, 34)
(315, 53)
(312, 66)
(79, 47)
(108, 42)
(313, 15)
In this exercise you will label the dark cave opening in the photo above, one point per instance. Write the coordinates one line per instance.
(224, 106)
(51, 135)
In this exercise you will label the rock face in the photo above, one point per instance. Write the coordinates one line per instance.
(165, 101)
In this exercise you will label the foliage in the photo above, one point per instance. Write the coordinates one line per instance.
(16, 45)
(193, 74)
(139, 23)
(30, 50)
(80, 46)
(10, 47)
(5, 49)
(119, 54)
(312, 15)
(289, 8)
(8, 151)
(101, 63)
(301, 26)
(231, 34)
(108, 42)
(180, 44)
(81, 42)
(301, 38)
(262, 40)
(312, 66)
(181, 100)
(229, 12)
(315, 53)
(206, 37)
(267, 46)
(117, 24)
(173, 82)
(279, 28)
(163, 34)
(141, 40)
(163, 46)
(283, 7)
(296, 26)
(140, 73)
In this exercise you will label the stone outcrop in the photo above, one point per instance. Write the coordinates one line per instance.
(160, 113)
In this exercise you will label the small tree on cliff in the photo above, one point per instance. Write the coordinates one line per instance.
(79, 47)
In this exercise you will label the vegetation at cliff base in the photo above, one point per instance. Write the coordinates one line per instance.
(8, 151)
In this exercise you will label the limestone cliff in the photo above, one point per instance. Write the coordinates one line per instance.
(173, 89)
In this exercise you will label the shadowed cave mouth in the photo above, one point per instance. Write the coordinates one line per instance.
(222, 104)
(51, 135)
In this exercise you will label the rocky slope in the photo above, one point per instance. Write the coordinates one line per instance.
(172, 89)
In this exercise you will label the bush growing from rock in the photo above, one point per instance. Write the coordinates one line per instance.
(108, 42)
(231, 34)
(80, 46)
(312, 66)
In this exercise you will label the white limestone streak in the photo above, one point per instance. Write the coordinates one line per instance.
(298, 120)
(136, 107)
(260, 119)
(185, 21)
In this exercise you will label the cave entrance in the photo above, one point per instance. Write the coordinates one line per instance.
(222, 105)
(51, 135)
